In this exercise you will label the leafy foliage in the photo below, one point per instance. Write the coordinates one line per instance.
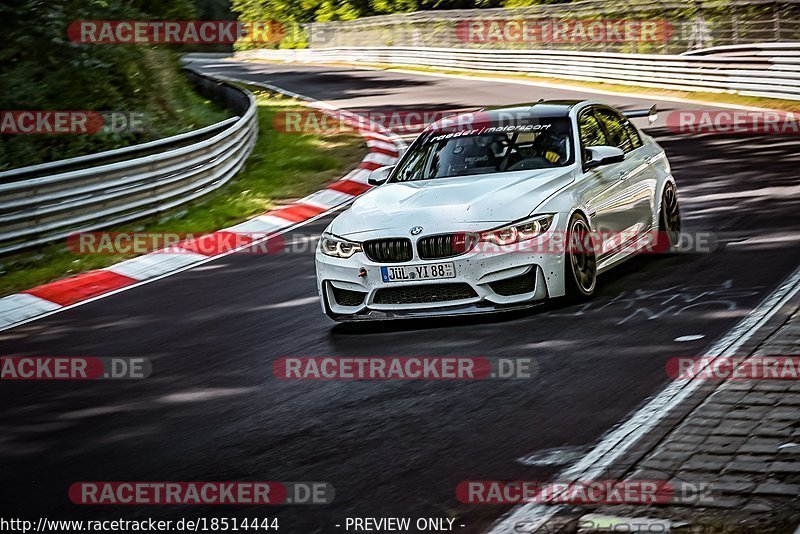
(41, 69)
(326, 10)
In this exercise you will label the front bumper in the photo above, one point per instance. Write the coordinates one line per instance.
(494, 279)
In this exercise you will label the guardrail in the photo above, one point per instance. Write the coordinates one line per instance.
(693, 25)
(788, 49)
(771, 70)
(44, 203)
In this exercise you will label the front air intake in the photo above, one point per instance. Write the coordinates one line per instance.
(424, 294)
(393, 250)
(436, 247)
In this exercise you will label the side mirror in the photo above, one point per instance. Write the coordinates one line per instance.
(597, 156)
(652, 115)
(380, 175)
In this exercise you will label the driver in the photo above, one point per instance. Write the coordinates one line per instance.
(475, 153)
(496, 143)
(552, 147)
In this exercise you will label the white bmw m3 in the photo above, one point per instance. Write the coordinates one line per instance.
(497, 210)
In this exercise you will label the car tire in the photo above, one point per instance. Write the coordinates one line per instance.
(669, 218)
(580, 266)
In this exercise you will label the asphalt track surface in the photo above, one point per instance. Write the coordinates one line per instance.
(212, 409)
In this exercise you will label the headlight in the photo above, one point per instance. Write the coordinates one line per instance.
(338, 247)
(520, 231)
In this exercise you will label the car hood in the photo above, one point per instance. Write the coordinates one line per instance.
(464, 203)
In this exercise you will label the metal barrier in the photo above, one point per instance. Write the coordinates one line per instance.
(770, 70)
(692, 25)
(43, 203)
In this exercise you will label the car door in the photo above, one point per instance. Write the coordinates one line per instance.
(636, 174)
(603, 189)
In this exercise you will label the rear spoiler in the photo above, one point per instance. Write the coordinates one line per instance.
(651, 114)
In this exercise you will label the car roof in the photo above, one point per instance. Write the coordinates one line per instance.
(542, 108)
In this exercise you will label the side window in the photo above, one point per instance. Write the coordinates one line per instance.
(633, 133)
(417, 167)
(590, 131)
(617, 130)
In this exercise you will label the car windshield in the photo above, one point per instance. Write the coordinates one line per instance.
(536, 143)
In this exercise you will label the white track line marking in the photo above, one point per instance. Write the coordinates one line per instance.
(624, 436)
(23, 305)
(154, 264)
(691, 337)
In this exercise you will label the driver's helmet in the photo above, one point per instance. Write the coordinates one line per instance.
(553, 147)
(494, 143)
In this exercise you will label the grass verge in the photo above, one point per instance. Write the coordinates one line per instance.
(282, 166)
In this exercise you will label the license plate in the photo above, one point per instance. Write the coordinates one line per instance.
(409, 273)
